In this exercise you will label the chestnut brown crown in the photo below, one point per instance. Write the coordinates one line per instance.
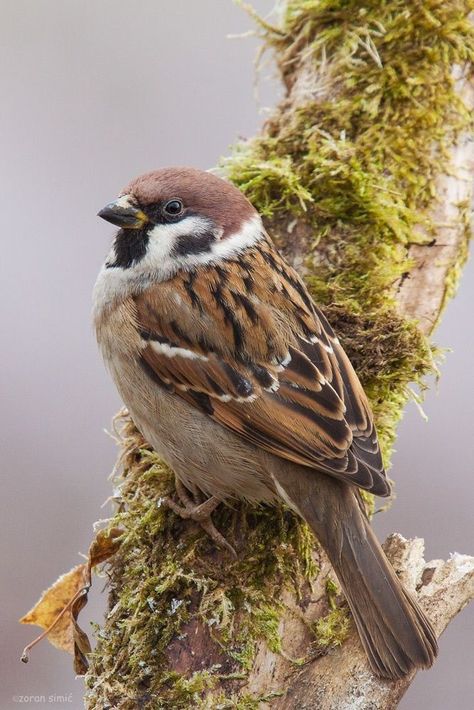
(201, 193)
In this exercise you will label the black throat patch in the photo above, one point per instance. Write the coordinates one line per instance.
(130, 247)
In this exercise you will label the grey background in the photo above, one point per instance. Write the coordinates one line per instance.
(94, 93)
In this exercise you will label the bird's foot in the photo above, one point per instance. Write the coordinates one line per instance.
(193, 508)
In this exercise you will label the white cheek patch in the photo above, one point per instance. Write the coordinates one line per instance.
(250, 233)
(163, 239)
(161, 254)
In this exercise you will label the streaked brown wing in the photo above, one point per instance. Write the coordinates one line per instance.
(253, 353)
(358, 415)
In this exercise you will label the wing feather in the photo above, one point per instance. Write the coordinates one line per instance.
(254, 353)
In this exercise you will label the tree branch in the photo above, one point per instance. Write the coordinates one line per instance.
(342, 680)
(363, 177)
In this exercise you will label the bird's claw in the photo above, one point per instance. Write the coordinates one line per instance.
(194, 509)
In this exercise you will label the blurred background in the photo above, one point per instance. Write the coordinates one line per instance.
(94, 93)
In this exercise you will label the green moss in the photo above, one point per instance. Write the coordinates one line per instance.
(356, 168)
(333, 628)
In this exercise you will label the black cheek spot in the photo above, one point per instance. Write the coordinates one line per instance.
(193, 244)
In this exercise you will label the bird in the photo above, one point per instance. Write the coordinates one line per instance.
(234, 376)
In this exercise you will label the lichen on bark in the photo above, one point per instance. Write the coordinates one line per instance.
(345, 175)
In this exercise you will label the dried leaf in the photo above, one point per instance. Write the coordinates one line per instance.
(52, 603)
(105, 544)
(82, 644)
(58, 608)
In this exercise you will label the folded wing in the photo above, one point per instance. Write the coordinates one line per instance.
(253, 353)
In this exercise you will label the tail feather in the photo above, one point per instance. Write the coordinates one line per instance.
(393, 629)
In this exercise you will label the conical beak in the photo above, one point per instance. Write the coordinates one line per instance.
(124, 213)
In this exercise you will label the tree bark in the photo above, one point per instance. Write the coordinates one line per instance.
(341, 680)
(201, 659)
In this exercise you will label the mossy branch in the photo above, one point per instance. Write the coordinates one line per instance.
(363, 177)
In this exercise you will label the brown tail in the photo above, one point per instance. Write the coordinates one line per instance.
(394, 631)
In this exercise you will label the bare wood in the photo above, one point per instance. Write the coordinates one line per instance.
(422, 294)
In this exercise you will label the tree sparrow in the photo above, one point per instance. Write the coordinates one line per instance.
(237, 380)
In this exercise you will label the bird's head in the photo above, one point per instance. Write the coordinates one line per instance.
(178, 218)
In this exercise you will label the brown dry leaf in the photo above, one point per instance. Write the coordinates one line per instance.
(105, 544)
(52, 603)
(82, 644)
(59, 606)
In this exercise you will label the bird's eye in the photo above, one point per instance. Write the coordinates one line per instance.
(173, 208)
